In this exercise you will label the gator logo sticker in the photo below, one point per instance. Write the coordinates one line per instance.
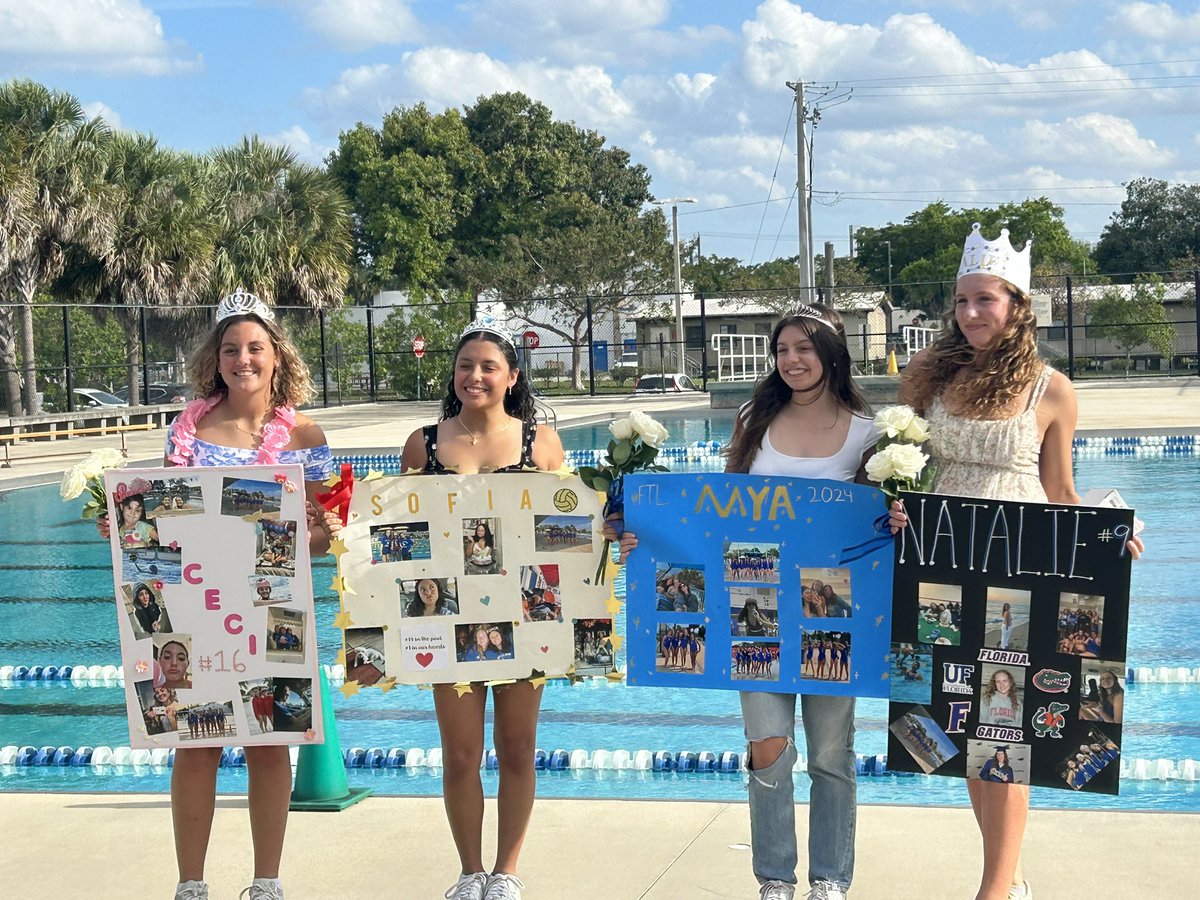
(1048, 721)
(1052, 681)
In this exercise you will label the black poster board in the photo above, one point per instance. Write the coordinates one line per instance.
(1009, 628)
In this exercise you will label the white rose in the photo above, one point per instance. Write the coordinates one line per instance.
(893, 420)
(621, 429)
(879, 467)
(651, 432)
(907, 460)
(97, 461)
(74, 482)
(917, 431)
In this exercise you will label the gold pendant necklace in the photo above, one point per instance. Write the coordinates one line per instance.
(474, 437)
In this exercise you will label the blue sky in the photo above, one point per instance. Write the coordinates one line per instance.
(968, 102)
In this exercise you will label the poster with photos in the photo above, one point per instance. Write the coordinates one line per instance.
(757, 583)
(214, 605)
(1009, 628)
(473, 578)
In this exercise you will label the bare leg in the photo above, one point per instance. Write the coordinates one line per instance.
(269, 793)
(460, 720)
(1001, 811)
(193, 799)
(515, 732)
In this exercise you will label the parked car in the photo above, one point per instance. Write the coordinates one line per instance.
(93, 397)
(671, 383)
(160, 392)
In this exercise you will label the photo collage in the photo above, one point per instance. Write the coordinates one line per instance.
(1011, 679)
(501, 583)
(172, 687)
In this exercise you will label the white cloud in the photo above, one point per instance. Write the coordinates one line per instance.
(97, 109)
(359, 24)
(1096, 139)
(1158, 22)
(693, 87)
(300, 143)
(118, 36)
(444, 77)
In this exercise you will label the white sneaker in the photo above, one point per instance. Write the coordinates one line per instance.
(468, 887)
(503, 886)
(263, 889)
(776, 890)
(191, 890)
(823, 890)
(1020, 892)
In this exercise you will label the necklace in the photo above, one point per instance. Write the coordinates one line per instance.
(257, 435)
(475, 438)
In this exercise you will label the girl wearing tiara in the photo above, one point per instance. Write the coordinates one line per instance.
(487, 426)
(250, 378)
(806, 419)
(1001, 424)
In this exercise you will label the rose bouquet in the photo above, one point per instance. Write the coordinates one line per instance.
(633, 448)
(87, 477)
(898, 463)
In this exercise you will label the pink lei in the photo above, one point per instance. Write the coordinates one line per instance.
(275, 434)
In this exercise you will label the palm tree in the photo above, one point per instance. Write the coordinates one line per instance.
(45, 133)
(286, 228)
(16, 204)
(164, 227)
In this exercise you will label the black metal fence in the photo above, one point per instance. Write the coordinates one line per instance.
(575, 346)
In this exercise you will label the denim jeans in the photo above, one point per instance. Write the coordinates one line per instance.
(829, 732)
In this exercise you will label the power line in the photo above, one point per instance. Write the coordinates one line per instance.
(771, 187)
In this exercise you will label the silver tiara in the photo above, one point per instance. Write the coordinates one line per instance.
(811, 312)
(488, 323)
(239, 303)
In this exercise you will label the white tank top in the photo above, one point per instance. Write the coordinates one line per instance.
(842, 466)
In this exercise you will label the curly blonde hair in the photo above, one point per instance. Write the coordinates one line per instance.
(1012, 363)
(989, 691)
(291, 385)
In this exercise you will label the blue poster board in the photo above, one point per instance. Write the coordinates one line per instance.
(759, 583)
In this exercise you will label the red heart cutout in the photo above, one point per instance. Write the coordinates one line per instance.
(545, 649)
(424, 659)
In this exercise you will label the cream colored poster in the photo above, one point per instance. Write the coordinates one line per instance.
(214, 605)
(467, 578)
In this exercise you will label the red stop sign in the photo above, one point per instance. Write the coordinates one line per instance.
(531, 339)
(418, 346)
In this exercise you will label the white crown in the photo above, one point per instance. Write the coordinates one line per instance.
(239, 303)
(996, 258)
(489, 320)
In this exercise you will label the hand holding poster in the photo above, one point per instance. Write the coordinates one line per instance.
(214, 601)
(755, 582)
(466, 578)
(1008, 642)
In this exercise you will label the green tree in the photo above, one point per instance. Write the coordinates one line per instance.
(96, 359)
(1136, 319)
(63, 200)
(1156, 225)
(344, 364)
(439, 318)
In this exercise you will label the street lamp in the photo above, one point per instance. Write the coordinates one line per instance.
(679, 335)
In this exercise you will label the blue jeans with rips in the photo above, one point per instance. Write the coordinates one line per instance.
(829, 733)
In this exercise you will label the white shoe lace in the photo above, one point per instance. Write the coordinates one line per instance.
(503, 886)
(776, 890)
(468, 887)
(268, 891)
(191, 890)
(823, 890)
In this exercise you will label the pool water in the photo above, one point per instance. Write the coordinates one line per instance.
(56, 608)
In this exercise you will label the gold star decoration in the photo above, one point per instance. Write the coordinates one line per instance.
(386, 684)
(337, 546)
(463, 687)
(539, 681)
(340, 585)
(332, 480)
(342, 620)
(616, 676)
(349, 689)
(564, 472)
(341, 657)
(617, 641)
(613, 605)
(373, 475)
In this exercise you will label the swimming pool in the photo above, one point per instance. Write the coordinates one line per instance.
(56, 608)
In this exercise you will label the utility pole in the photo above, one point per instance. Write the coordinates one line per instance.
(679, 332)
(802, 188)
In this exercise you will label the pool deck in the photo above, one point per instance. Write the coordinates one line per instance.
(119, 846)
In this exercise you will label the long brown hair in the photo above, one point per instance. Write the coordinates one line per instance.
(291, 385)
(1012, 363)
(772, 394)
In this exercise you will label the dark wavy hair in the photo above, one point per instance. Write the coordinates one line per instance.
(772, 394)
(518, 400)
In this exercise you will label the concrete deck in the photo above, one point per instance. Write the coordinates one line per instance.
(119, 845)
